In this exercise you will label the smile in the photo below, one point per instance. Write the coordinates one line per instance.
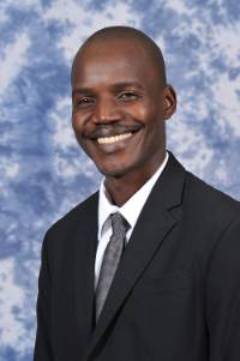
(114, 138)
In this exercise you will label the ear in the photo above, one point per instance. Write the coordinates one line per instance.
(169, 101)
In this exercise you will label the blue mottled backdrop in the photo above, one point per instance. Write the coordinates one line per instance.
(43, 173)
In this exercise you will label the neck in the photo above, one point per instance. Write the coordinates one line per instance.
(121, 189)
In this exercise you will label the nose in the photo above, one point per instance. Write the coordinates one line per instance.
(106, 111)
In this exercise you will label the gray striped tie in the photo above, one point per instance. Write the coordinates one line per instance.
(111, 260)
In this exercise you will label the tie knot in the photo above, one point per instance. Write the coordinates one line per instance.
(119, 224)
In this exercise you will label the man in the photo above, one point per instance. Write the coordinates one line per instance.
(148, 268)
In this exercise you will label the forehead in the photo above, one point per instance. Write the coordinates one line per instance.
(113, 61)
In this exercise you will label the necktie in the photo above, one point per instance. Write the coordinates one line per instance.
(111, 260)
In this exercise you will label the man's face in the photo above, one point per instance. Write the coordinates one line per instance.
(119, 108)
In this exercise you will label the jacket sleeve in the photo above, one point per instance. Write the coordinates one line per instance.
(223, 297)
(43, 347)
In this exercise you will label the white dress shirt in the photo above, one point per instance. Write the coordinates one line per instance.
(129, 210)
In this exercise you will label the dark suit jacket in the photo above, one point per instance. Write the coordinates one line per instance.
(176, 293)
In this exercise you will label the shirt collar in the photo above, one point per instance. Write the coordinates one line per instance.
(133, 207)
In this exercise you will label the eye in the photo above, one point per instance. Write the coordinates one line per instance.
(128, 96)
(84, 102)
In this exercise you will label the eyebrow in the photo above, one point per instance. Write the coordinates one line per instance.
(113, 87)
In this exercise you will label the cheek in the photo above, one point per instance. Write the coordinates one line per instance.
(77, 120)
(139, 111)
(78, 130)
(80, 123)
(147, 113)
(142, 115)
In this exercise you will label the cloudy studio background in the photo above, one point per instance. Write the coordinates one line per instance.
(43, 173)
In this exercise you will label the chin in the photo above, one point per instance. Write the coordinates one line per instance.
(113, 171)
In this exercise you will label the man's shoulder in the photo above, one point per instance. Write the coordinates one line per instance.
(199, 196)
(209, 200)
(76, 215)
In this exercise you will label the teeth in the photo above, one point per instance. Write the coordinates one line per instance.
(113, 139)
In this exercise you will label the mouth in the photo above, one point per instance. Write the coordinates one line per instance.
(114, 138)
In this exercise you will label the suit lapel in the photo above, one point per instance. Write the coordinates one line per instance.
(155, 222)
(84, 259)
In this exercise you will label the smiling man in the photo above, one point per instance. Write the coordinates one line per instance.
(148, 268)
(121, 88)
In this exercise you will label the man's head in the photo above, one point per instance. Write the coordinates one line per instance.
(121, 101)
